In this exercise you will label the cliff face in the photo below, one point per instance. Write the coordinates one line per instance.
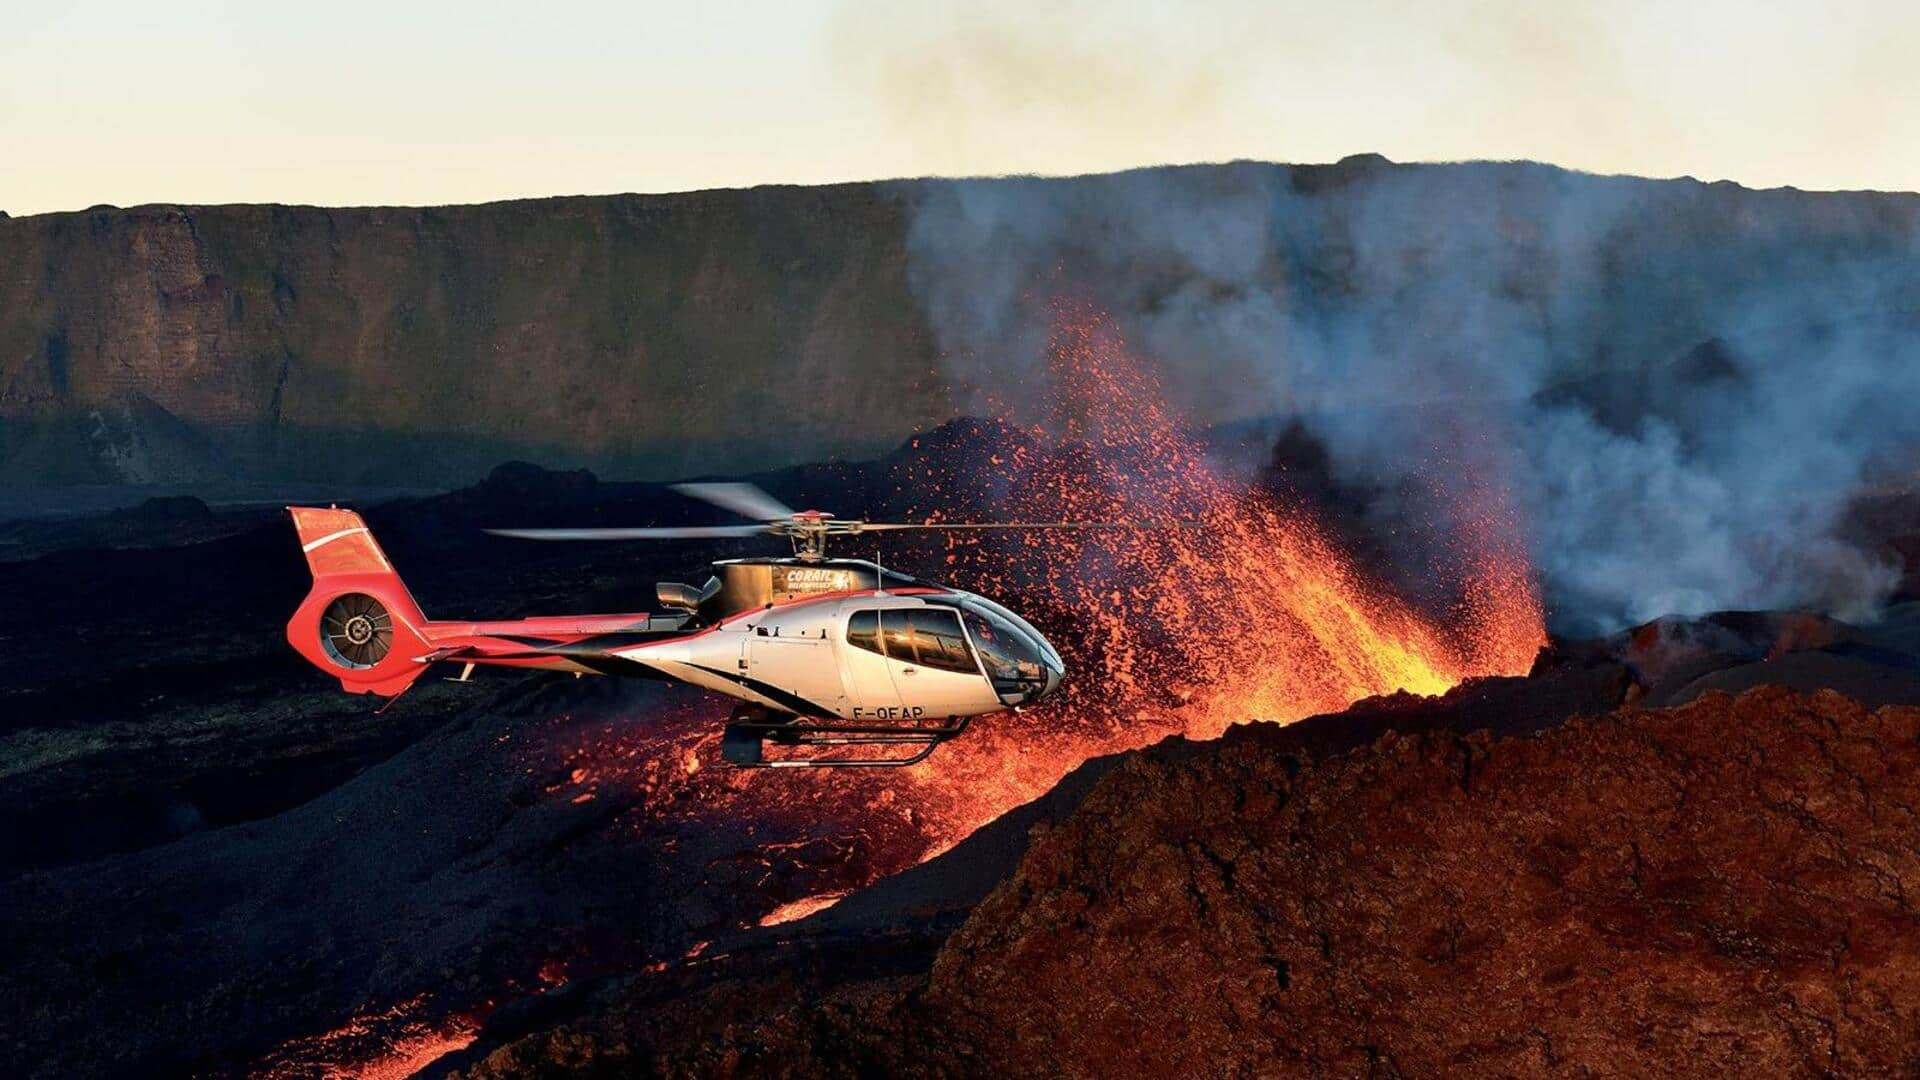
(677, 334)
(736, 330)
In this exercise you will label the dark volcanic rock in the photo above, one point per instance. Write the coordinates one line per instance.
(165, 510)
(1720, 888)
(1676, 659)
(1716, 889)
(463, 871)
(524, 482)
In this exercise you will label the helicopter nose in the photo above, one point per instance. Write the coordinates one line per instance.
(1055, 672)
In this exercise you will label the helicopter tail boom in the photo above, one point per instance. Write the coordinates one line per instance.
(360, 624)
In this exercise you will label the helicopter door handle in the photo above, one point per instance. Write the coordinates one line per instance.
(910, 671)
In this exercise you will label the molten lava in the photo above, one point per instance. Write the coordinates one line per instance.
(1235, 607)
(383, 1044)
(799, 909)
(1238, 608)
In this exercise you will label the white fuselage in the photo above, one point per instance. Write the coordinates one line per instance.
(871, 656)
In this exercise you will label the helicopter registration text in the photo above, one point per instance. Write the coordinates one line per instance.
(890, 712)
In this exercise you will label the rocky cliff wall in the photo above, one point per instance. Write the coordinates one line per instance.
(1669, 327)
(674, 334)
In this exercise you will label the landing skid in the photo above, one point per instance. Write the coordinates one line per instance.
(744, 743)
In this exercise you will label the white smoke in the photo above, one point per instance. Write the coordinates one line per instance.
(1678, 384)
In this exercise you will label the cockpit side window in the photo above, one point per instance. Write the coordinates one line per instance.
(929, 637)
(938, 640)
(1019, 626)
(863, 631)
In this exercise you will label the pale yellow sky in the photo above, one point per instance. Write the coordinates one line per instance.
(358, 102)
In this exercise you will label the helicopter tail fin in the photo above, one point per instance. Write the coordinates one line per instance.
(358, 623)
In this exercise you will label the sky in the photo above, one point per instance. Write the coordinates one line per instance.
(358, 102)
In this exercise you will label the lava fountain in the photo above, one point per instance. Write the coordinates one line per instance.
(1237, 607)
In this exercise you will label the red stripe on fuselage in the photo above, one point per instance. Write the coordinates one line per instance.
(553, 626)
(571, 629)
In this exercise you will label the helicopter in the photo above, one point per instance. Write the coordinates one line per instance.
(816, 651)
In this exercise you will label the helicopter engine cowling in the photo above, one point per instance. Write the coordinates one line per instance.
(673, 594)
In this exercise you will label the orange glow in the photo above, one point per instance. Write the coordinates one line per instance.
(801, 908)
(385, 1044)
(1241, 608)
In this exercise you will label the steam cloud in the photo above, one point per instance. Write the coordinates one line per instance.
(1678, 386)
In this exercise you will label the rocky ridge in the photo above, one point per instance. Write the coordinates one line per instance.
(1718, 887)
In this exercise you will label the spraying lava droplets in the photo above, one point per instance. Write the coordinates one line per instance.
(1254, 615)
(1247, 611)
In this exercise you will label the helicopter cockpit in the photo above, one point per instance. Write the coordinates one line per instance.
(1019, 662)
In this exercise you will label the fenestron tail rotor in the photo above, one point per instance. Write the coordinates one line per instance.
(356, 631)
(808, 529)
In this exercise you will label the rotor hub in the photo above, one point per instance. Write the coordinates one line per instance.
(359, 630)
(809, 529)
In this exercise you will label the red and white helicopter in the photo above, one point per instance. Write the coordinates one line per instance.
(818, 651)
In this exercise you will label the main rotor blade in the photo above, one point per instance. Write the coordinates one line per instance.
(743, 499)
(689, 532)
(867, 526)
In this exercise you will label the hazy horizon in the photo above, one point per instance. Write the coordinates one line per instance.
(394, 104)
(945, 176)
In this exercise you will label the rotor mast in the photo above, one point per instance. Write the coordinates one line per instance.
(809, 530)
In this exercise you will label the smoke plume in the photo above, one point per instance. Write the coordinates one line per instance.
(1671, 387)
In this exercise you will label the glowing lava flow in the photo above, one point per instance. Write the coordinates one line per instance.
(801, 908)
(1239, 609)
(386, 1044)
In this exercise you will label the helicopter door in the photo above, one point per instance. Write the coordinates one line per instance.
(933, 668)
(870, 686)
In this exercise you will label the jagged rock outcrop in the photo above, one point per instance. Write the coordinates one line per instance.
(1719, 888)
(1715, 889)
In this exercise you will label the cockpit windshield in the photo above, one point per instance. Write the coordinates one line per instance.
(1026, 628)
(1015, 659)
